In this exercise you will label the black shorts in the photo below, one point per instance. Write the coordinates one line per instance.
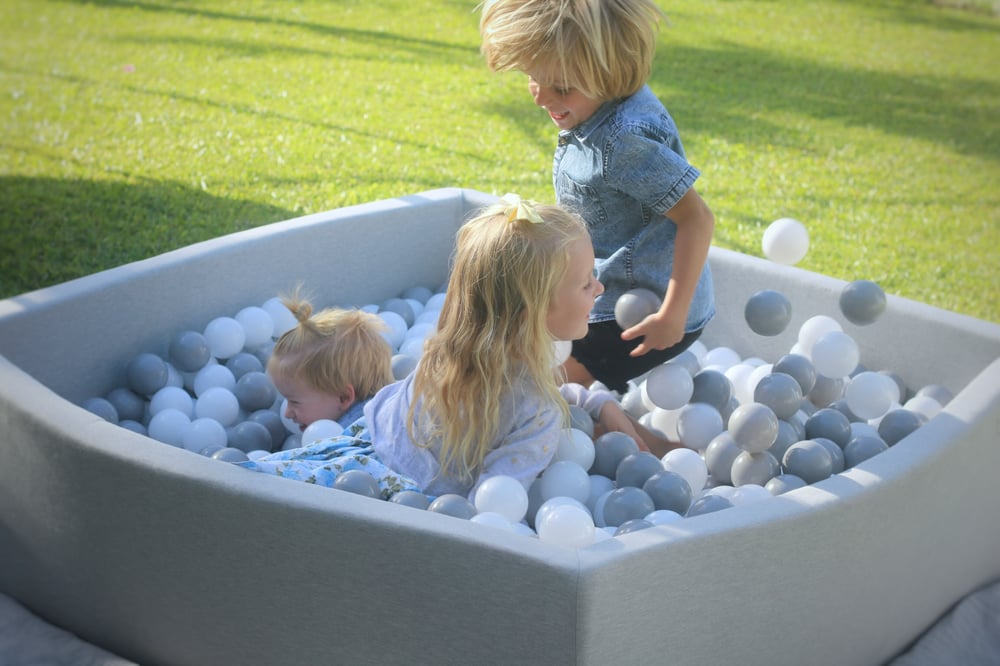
(606, 355)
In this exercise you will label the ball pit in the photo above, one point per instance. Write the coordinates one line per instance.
(136, 545)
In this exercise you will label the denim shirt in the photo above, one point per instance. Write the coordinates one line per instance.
(621, 171)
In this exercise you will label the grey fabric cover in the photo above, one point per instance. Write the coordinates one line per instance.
(165, 557)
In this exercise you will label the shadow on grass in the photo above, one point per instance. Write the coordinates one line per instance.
(383, 39)
(54, 230)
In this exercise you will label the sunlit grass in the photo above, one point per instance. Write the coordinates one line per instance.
(131, 128)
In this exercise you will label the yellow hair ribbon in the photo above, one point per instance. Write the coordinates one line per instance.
(519, 209)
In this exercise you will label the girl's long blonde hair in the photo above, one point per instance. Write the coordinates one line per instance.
(491, 331)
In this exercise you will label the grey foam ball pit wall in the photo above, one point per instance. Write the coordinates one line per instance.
(166, 557)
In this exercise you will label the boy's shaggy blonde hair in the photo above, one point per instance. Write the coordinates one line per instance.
(603, 48)
(332, 349)
(492, 332)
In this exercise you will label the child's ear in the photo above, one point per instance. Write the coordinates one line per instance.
(347, 396)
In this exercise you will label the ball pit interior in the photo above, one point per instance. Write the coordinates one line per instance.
(163, 556)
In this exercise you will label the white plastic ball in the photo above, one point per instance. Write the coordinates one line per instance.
(563, 348)
(169, 426)
(697, 424)
(565, 479)
(721, 357)
(258, 326)
(225, 337)
(835, 354)
(813, 329)
(321, 429)
(219, 404)
(663, 517)
(283, 318)
(923, 404)
(576, 446)
(749, 493)
(290, 425)
(566, 525)
(739, 376)
(491, 519)
(785, 241)
(689, 465)
(870, 394)
(171, 397)
(212, 376)
(204, 432)
(396, 329)
(669, 386)
(502, 495)
(599, 485)
(664, 421)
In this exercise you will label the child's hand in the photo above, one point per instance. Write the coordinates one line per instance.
(659, 331)
(614, 419)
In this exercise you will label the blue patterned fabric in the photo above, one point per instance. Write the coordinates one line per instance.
(323, 461)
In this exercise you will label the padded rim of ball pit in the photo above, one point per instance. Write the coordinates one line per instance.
(163, 556)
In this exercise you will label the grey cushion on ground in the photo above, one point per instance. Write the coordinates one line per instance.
(969, 634)
(27, 639)
(163, 556)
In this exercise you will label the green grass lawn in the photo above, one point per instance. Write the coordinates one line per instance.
(130, 128)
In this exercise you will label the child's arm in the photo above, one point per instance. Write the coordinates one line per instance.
(605, 410)
(695, 226)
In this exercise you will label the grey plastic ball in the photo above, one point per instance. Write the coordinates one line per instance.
(863, 447)
(712, 387)
(708, 504)
(829, 423)
(272, 421)
(836, 454)
(897, 424)
(719, 456)
(826, 390)
(754, 426)
(229, 454)
(808, 460)
(358, 482)
(411, 498)
(784, 483)
(243, 362)
(768, 312)
(688, 360)
(780, 392)
(799, 367)
(669, 491)
(189, 351)
(755, 468)
(103, 408)
(635, 468)
(129, 405)
(609, 450)
(453, 505)
(624, 504)
(147, 373)
(249, 436)
(787, 435)
(401, 307)
(254, 391)
(635, 305)
(418, 293)
(862, 302)
(634, 525)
